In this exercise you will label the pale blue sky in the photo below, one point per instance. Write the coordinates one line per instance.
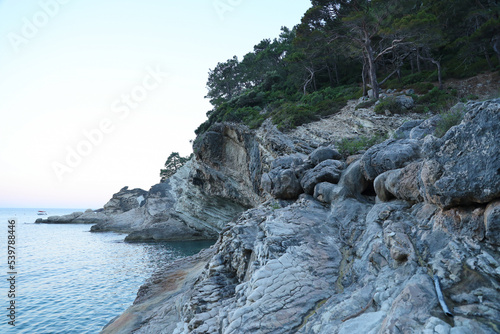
(94, 95)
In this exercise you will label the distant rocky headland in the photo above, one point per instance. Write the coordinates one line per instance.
(311, 240)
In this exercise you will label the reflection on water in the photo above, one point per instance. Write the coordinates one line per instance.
(74, 281)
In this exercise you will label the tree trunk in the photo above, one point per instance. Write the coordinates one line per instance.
(372, 70)
(363, 77)
(418, 61)
(438, 65)
(308, 80)
(487, 57)
(495, 42)
(337, 74)
(329, 75)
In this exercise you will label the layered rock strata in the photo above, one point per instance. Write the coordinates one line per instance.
(358, 253)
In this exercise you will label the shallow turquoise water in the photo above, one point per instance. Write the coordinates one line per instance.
(72, 281)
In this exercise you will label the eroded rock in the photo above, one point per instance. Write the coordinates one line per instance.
(391, 154)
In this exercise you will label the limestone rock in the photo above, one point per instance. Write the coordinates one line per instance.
(403, 132)
(406, 102)
(400, 183)
(338, 262)
(125, 200)
(463, 167)
(412, 306)
(228, 164)
(324, 153)
(326, 171)
(352, 184)
(87, 217)
(391, 154)
(173, 231)
(282, 183)
(427, 127)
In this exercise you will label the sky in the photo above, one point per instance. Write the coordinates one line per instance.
(95, 95)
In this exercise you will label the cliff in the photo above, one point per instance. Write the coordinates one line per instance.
(309, 242)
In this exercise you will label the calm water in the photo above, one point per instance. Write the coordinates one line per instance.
(70, 280)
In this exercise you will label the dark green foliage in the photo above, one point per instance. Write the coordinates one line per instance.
(389, 104)
(340, 47)
(436, 100)
(366, 104)
(448, 119)
(350, 146)
(173, 163)
(422, 87)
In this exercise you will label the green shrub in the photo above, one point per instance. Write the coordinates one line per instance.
(390, 104)
(415, 77)
(472, 97)
(290, 115)
(437, 99)
(422, 87)
(366, 104)
(448, 119)
(350, 146)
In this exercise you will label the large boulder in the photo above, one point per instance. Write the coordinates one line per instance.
(405, 102)
(324, 153)
(391, 154)
(352, 184)
(463, 167)
(326, 171)
(283, 180)
(402, 183)
(282, 183)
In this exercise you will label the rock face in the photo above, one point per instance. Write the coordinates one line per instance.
(358, 256)
(463, 167)
(389, 155)
(325, 171)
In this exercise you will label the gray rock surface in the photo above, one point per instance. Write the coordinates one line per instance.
(400, 183)
(326, 171)
(427, 127)
(391, 154)
(125, 200)
(463, 167)
(406, 102)
(324, 153)
(87, 217)
(282, 183)
(403, 132)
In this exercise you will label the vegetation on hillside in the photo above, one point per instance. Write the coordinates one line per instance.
(343, 48)
(173, 163)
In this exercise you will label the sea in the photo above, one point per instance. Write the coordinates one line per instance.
(68, 280)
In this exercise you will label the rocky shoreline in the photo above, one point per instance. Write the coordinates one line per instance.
(310, 242)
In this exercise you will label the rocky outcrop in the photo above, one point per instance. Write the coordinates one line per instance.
(326, 171)
(125, 200)
(283, 180)
(390, 154)
(345, 260)
(87, 217)
(463, 167)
